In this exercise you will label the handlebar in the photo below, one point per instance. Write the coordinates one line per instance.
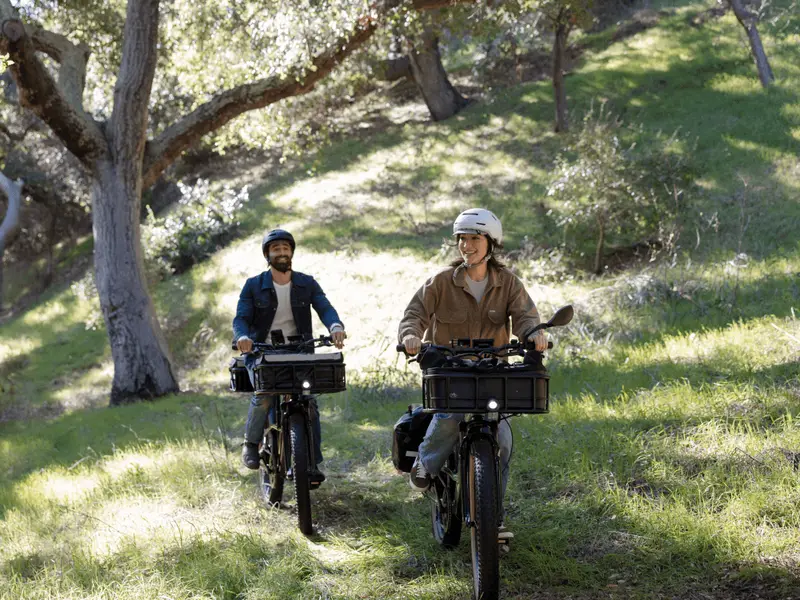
(318, 342)
(512, 349)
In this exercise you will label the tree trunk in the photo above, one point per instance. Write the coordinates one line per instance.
(748, 21)
(142, 367)
(559, 55)
(442, 99)
(599, 249)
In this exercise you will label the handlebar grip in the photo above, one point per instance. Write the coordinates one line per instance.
(549, 345)
(400, 348)
(234, 346)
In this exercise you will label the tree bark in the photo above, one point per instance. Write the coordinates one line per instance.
(559, 89)
(142, 367)
(442, 99)
(748, 20)
(13, 191)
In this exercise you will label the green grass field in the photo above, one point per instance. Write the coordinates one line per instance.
(667, 468)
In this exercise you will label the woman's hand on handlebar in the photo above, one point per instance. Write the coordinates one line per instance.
(244, 344)
(539, 341)
(412, 344)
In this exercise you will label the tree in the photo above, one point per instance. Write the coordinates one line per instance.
(422, 62)
(563, 16)
(425, 61)
(123, 161)
(748, 20)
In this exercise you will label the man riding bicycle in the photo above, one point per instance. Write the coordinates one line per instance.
(473, 298)
(280, 299)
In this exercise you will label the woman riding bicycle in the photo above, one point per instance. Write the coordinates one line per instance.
(473, 298)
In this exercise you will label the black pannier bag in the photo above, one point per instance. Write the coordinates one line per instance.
(408, 433)
(240, 380)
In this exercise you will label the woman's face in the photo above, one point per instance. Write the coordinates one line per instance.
(473, 247)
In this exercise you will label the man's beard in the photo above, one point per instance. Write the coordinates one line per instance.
(282, 264)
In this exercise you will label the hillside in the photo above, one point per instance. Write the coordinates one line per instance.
(667, 467)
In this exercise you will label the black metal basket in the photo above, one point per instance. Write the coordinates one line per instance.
(516, 388)
(240, 380)
(288, 374)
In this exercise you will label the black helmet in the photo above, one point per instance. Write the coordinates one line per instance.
(274, 236)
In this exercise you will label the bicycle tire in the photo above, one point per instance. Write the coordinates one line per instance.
(300, 469)
(482, 481)
(270, 476)
(446, 518)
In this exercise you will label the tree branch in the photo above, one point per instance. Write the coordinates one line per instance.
(128, 125)
(227, 105)
(12, 190)
(71, 57)
(43, 96)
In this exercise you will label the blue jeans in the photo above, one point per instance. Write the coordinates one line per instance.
(263, 407)
(441, 439)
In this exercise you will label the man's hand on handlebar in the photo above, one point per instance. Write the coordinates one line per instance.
(539, 341)
(412, 344)
(337, 337)
(244, 344)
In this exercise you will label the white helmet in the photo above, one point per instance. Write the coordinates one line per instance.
(479, 221)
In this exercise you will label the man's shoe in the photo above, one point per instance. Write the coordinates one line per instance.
(316, 477)
(504, 537)
(418, 477)
(250, 456)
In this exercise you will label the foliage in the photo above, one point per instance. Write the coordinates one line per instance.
(202, 222)
(619, 194)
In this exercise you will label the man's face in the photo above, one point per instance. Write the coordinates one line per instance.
(280, 256)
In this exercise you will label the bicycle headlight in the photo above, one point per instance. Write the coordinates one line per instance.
(492, 404)
(306, 385)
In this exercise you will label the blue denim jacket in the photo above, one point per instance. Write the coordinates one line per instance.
(258, 304)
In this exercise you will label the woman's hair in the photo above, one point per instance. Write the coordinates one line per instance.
(493, 262)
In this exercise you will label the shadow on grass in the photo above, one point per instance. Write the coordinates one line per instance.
(686, 305)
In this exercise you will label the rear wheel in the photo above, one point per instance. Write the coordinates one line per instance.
(482, 482)
(446, 510)
(270, 474)
(299, 441)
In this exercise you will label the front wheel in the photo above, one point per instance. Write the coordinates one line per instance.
(446, 510)
(270, 473)
(299, 441)
(482, 482)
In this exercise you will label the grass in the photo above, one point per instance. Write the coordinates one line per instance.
(666, 468)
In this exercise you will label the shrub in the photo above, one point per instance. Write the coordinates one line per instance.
(201, 223)
(612, 196)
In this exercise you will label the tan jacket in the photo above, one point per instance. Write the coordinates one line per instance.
(443, 309)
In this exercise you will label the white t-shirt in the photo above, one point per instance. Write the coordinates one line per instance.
(477, 288)
(284, 319)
